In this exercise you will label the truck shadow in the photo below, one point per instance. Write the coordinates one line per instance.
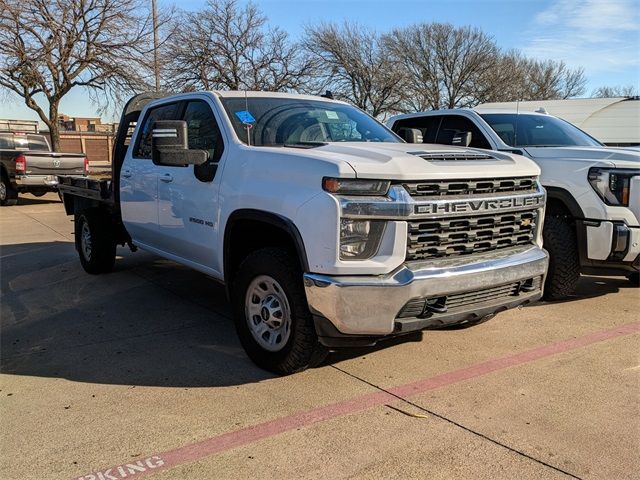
(150, 323)
(26, 199)
(591, 286)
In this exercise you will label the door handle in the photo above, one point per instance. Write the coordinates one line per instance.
(126, 173)
(166, 178)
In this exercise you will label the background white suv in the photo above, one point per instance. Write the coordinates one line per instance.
(592, 223)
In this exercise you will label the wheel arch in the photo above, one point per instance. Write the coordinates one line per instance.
(560, 201)
(276, 229)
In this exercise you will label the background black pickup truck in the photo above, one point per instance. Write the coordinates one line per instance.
(27, 165)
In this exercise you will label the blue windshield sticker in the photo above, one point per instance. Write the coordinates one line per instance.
(245, 117)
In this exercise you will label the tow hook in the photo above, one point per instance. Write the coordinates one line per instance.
(436, 305)
(526, 286)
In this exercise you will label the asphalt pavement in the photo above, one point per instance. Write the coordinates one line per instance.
(139, 373)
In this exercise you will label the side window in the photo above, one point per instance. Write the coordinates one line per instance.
(452, 124)
(203, 134)
(428, 125)
(37, 142)
(6, 141)
(163, 112)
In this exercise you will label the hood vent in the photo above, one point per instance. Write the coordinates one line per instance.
(452, 156)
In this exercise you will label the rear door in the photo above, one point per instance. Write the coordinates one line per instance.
(139, 180)
(188, 196)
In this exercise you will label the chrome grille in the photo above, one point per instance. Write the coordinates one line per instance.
(471, 187)
(435, 238)
(427, 307)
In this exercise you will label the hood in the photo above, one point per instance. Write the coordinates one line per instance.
(617, 157)
(406, 161)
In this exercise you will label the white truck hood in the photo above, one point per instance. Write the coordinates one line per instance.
(617, 157)
(402, 161)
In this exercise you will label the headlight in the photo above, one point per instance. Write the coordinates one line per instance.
(612, 184)
(355, 187)
(359, 239)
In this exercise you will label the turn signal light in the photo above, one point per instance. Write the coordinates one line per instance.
(86, 166)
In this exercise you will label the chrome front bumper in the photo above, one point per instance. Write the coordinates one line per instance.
(369, 305)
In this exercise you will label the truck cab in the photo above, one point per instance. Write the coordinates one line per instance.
(592, 224)
(327, 229)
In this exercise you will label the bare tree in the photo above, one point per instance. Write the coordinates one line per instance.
(230, 47)
(48, 47)
(454, 67)
(617, 91)
(449, 65)
(549, 79)
(357, 66)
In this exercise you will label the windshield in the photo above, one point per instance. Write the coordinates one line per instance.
(537, 131)
(273, 122)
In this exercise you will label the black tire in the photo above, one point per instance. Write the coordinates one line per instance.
(8, 193)
(561, 241)
(302, 349)
(634, 278)
(100, 255)
(38, 194)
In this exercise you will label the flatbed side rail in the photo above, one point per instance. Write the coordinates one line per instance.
(85, 187)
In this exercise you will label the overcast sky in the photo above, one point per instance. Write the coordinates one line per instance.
(601, 36)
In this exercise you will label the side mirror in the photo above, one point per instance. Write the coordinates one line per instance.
(462, 139)
(410, 135)
(169, 145)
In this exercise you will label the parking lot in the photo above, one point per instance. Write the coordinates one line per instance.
(139, 372)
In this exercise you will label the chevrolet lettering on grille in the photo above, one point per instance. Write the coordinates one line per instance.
(478, 206)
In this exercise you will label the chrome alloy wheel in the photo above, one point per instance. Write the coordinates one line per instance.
(85, 240)
(267, 313)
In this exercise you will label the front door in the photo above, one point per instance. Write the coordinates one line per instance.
(188, 196)
(139, 181)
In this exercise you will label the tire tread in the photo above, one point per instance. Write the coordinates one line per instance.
(561, 242)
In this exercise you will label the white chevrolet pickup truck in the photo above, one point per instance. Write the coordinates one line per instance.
(327, 229)
(593, 208)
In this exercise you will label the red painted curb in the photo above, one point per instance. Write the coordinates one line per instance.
(237, 438)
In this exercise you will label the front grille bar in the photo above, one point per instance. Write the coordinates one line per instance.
(473, 187)
(460, 236)
(420, 307)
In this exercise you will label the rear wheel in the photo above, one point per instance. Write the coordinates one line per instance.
(8, 194)
(271, 314)
(95, 242)
(561, 241)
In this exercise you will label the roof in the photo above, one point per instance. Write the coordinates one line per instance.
(250, 93)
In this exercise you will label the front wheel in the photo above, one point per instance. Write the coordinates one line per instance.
(8, 194)
(561, 241)
(95, 242)
(271, 314)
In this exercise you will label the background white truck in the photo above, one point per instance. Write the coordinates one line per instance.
(593, 207)
(327, 229)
